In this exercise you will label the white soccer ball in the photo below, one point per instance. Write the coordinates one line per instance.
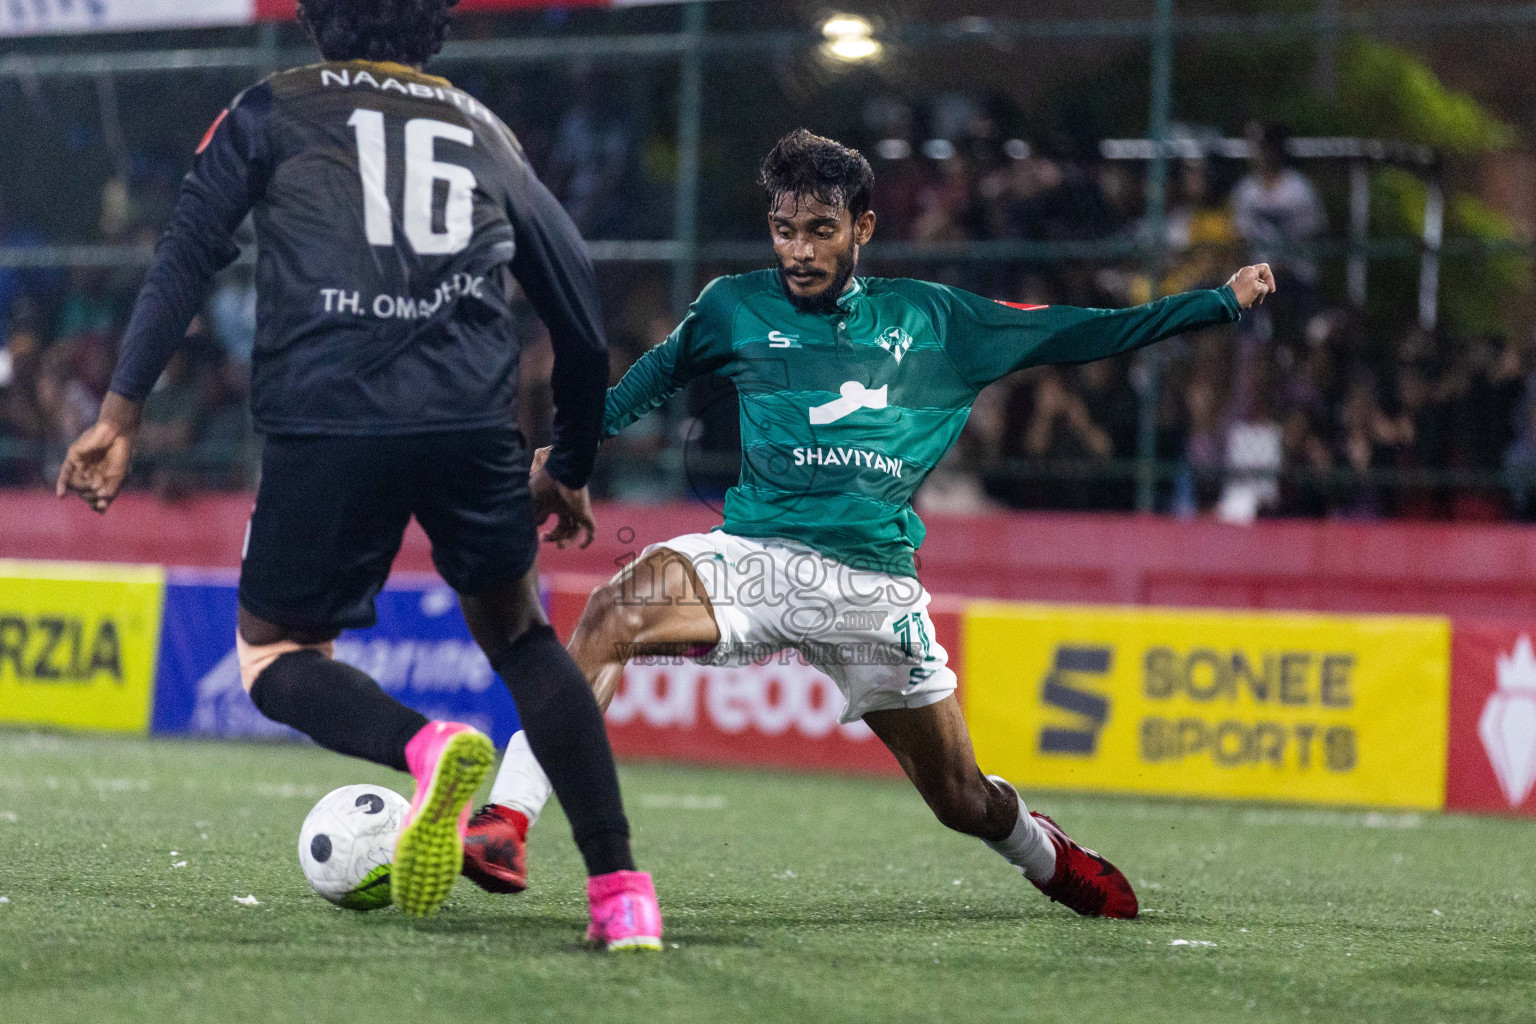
(348, 842)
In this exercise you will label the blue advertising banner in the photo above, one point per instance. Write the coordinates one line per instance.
(420, 651)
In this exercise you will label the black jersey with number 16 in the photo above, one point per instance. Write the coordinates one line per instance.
(389, 207)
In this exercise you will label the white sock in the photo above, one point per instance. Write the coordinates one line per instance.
(520, 783)
(1027, 847)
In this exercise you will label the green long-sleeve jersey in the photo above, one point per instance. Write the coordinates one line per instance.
(844, 415)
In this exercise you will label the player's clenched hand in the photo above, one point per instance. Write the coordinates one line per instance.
(572, 508)
(97, 463)
(1252, 284)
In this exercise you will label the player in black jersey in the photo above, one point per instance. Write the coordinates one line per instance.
(391, 212)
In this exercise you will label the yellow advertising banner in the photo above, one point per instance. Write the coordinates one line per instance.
(78, 644)
(1249, 705)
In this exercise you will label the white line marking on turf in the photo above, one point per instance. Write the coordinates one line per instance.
(286, 790)
(681, 802)
(9, 816)
(1332, 819)
(249, 901)
(1281, 816)
(119, 785)
(1191, 942)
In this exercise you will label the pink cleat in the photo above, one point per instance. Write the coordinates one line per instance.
(449, 761)
(625, 914)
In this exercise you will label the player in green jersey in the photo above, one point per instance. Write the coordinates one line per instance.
(852, 389)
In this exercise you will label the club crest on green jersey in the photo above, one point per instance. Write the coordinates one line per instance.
(896, 341)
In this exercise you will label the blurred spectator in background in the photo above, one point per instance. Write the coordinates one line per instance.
(1047, 198)
(1520, 463)
(594, 165)
(90, 312)
(1485, 385)
(898, 169)
(1252, 456)
(232, 313)
(535, 395)
(171, 414)
(1200, 443)
(1275, 208)
(958, 483)
(195, 420)
(1303, 450)
(943, 204)
(1058, 428)
(1201, 230)
(12, 281)
(23, 423)
(1111, 405)
(1364, 446)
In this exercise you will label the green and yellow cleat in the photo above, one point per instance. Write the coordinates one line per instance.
(449, 761)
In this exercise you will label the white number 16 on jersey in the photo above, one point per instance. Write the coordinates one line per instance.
(422, 173)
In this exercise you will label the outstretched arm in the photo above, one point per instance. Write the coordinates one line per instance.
(701, 344)
(226, 176)
(987, 340)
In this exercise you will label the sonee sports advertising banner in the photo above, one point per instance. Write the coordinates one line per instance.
(48, 17)
(77, 644)
(1306, 708)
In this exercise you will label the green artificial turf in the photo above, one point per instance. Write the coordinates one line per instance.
(788, 898)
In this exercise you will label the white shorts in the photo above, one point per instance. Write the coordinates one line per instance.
(869, 631)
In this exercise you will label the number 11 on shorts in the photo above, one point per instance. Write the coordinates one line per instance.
(904, 628)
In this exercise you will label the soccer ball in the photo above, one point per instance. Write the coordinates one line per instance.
(347, 843)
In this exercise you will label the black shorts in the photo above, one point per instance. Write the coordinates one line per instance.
(331, 512)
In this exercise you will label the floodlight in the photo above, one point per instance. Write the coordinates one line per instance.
(854, 48)
(847, 26)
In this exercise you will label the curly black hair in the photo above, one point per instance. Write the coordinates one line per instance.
(403, 31)
(805, 165)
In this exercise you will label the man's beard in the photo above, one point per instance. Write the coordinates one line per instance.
(824, 302)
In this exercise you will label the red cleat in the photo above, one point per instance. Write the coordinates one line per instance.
(1084, 881)
(496, 849)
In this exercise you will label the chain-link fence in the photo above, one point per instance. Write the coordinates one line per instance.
(1093, 162)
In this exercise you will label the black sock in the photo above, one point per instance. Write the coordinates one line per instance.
(566, 732)
(337, 706)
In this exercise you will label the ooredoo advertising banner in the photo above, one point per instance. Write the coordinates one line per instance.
(1314, 708)
(779, 712)
(77, 643)
(1492, 738)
